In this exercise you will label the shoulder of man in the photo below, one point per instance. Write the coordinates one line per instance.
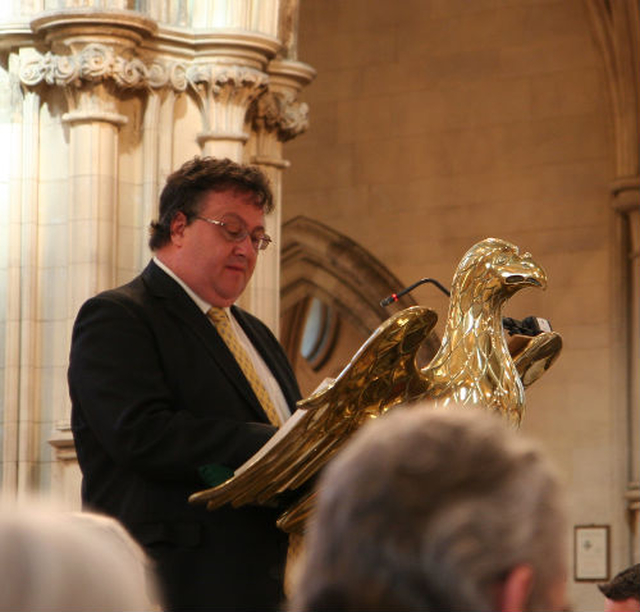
(151, 281)
(130, 291)
(131, 295)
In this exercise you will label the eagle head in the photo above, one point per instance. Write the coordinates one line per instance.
(495, 267)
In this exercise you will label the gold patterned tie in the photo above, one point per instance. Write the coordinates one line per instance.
(223, 325)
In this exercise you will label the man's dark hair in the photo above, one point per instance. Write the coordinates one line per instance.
(624, 585)
(185, 187)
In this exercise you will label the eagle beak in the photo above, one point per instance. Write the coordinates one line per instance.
(525, 272)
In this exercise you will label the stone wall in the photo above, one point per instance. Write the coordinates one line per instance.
(436, 124)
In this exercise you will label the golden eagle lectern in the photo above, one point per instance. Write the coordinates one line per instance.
(473, 367)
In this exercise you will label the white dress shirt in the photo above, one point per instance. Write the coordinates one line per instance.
(267, 378)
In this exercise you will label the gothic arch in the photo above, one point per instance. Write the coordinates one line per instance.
(615, 29)
(318, 263)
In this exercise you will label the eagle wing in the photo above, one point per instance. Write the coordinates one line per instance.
(381, 374)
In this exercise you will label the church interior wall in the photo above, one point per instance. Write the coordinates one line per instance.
(434, 124)
(437, 124)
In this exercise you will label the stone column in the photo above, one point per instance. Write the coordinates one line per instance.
(626, 203)
(224, 94)
(167, 81)
(616, 26)
(21, 346)
(90, 60)
(277, 116)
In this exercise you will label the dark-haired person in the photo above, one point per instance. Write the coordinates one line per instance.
(622, 593)
(162, 399)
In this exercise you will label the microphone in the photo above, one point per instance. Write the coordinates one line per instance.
(394, 297)
(529, 326)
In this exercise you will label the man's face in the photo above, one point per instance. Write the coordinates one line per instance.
(625, 605)
(216, 268)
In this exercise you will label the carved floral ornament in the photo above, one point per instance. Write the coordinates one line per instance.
(98, 62)
(281, 112)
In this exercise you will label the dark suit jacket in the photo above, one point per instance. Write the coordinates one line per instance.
(156, 394)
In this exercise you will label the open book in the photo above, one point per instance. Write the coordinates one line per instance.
(282, 432)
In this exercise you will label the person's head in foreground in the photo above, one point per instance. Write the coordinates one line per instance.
(437, 510)
(622, 594)
(53, 561)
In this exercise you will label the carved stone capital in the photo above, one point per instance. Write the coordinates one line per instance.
(224, 94)
(281, 112)
(95, 63)
(220, 80)
(172, 75)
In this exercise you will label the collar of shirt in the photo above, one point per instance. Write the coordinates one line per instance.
(200, 303)
(267, 377)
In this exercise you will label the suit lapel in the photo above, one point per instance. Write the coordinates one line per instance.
(176, 301)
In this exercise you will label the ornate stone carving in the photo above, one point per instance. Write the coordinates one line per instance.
(217, 77)
(168, 74)
(224, 94)
(95, 63)
(98, 62)
(282, 112)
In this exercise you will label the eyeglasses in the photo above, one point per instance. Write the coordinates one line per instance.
(235, 231)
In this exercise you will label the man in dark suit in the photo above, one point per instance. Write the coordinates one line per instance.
(160, 402)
